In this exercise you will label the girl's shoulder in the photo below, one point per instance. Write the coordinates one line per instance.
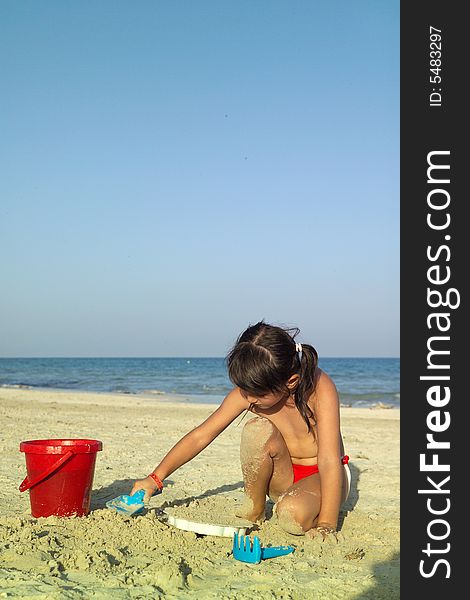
(323, 380)
(325, 389)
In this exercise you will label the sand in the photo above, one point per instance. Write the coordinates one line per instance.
(106, 555)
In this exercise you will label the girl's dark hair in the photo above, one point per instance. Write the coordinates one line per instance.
(264, 357)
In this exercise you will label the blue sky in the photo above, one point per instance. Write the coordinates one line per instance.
(173, 171)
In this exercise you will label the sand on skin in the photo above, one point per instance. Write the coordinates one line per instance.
(105, 555)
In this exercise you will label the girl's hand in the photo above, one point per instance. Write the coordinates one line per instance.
(147, 484)
(324, 532)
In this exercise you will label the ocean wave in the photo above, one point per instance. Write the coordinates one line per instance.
(16, 385)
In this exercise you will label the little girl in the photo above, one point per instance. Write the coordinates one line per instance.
(292, 449)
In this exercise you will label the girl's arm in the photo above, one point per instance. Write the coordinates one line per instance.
(329, 451)
(196, 440)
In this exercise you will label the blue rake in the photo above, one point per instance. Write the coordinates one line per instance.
(252, 552)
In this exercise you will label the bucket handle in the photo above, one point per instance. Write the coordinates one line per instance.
(26, 484)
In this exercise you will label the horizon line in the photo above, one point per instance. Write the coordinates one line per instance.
(186, 357)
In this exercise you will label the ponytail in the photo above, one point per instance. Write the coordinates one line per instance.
(307, 361)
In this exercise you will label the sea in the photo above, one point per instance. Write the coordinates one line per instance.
(361, 382)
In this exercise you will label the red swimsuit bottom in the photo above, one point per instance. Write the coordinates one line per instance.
(301, 471)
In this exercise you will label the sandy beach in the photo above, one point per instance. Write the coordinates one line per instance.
(106, 555)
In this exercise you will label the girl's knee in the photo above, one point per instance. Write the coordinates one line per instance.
(259, 431)
(258, 424)
(294, 512)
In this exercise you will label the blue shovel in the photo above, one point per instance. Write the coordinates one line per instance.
(128, 505)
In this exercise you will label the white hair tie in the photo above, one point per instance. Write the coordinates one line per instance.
(298, 349)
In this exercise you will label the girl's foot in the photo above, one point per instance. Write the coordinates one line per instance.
(245, 511)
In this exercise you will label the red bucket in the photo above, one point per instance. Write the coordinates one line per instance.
(60, 476)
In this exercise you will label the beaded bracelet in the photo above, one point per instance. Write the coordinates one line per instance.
(157, 480)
